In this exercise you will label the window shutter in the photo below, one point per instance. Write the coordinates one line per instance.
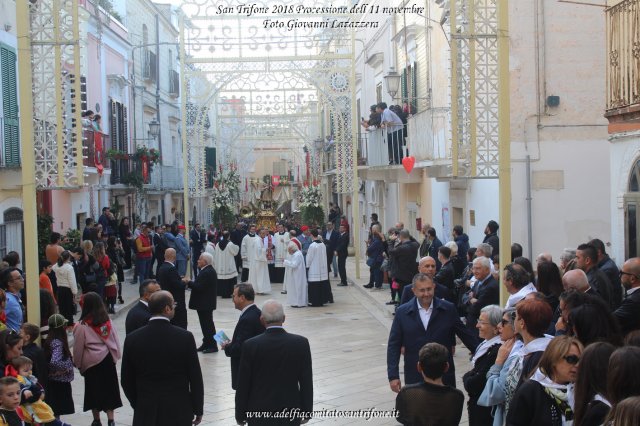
(10, 106)
(404, 86)
(125, 130)
(414, 88)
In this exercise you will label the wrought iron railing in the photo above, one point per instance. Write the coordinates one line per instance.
(623, 50)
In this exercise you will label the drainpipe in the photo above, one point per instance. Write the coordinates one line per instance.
(529, 221)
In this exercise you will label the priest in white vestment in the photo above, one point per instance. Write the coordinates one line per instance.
(281, 241)
(259, 268)
(318, 276)
(246, 252)
(295, 277)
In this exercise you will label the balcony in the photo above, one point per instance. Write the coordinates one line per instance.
(428, 136)
(373, 143)
(130, 172)
(166, 178)
(94, 148)
(623, 68)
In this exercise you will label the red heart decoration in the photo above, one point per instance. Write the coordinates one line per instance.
(408, 163)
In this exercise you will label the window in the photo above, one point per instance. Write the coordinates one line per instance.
(10, 155)
(379, 93)
(409, 89)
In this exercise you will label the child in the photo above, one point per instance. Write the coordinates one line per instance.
(45, 281)
(111, 289)
(30, 333)
(32, 393)
(10, 412)
(56, 348)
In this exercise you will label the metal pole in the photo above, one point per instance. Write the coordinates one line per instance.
(529, 220)
(504, 138)
(185, 153)
(28, 161)
(454, 93)
(354, 159)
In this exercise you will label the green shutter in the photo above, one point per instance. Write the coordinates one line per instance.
(404, 86)
(10, 106)
(414, 88)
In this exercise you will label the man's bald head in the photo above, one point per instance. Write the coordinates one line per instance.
(544, 257)
(575, 279)
(427, 266)
(630, 273)
(170, 255)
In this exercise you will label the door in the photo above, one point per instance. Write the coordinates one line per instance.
(631, 220)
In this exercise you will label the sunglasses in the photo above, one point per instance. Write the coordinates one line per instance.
(571, 359)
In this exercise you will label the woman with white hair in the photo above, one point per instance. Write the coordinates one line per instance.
(484, 357)
(295, 277)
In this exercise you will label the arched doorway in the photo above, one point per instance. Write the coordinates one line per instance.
(632, 213)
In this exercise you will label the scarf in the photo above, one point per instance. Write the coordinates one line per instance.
(484, 347)
(561, 395)
(102, 330)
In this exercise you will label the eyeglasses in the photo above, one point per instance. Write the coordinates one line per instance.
(571, 359)
(621, 273)
(505, 322)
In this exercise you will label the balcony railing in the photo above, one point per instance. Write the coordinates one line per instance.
(94, 148)
(166, 177)
(428, 136)
(623, 51)
(374, 147)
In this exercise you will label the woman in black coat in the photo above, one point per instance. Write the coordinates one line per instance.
(484, 357)
(543, 400)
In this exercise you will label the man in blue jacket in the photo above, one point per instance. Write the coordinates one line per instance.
(422, 320)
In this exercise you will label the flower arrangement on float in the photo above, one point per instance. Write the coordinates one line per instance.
(224, 194)
(310, 202)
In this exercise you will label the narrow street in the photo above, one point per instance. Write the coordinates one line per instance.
(348, 343)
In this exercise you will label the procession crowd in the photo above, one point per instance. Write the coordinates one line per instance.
(563, 350)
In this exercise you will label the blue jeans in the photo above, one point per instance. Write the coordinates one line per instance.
(142, 266)
(181, 266)
(376, 275)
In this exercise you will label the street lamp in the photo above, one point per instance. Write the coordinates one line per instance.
(392, 79)
(154, 128)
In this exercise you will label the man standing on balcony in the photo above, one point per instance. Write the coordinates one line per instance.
(393, 125)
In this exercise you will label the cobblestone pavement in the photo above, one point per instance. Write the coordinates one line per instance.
(348, 343)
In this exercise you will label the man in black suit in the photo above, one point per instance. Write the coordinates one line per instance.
(628, 314)
(161, 374)
(275, 357)
(204, 299)
(248, 326)
(138, 316)
(331, 242)
(424, 319)
(342, 253)
(197, 239)
(486, 291)
(170, 281)
(446, 275)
